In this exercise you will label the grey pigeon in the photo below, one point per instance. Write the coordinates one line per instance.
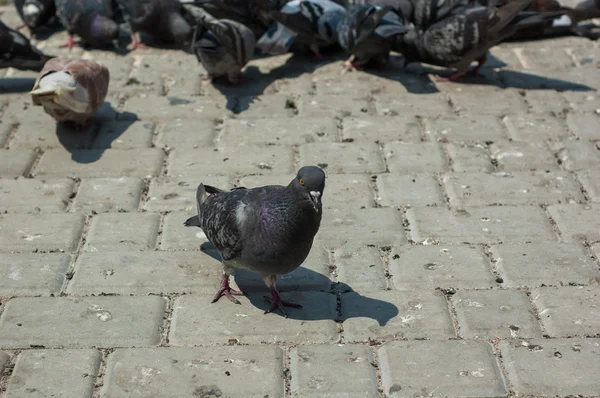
(160, 19)
(92, 20)
(224, 46)
(35, 13)
(268, 230)
(368, 32)
(17, 51)
(422, 13)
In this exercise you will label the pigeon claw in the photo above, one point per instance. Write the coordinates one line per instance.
(277, 303)
(227, 291)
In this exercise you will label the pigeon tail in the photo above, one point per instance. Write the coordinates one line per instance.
(192, 222)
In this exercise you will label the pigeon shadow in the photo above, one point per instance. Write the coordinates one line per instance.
(317, 294)
(11, 85)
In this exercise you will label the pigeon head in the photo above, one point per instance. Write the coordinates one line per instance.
(310, 181)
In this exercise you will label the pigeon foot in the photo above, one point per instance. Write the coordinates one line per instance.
(69, 44)
(452, 78)
(277, 303)
(136, 44)
(227, 291)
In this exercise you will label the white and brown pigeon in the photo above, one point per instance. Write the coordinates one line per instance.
(268, 230)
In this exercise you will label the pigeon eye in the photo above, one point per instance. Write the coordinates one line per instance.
(302, 181)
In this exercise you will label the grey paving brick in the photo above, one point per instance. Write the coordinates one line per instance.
(145, 273)
(247, 322)
(175, 236)
(405, 190)
(195, 372)
(122, 232)
(569, 311)
(431, 267)
(382, 227)
(108, 195)
(541, 103)
(544, 264)
(176, 133)
(480, 225)
(517, 188)
(280, 106)
(33, 232)
(415, 158)
(125, 135)
(179, 193)
(238, 161)
(577, 222)
(343, 158)
(80, 322)
(169, 108)
(469, 157)
(488, 102)
(54, 373)
(333, 371)
(332, 105)
(359, 269)
(481, 128)
(488, 314)
(584, 125)
(33, 274)
(565, 367)
(583, 101)
(386, 315)
(590, 179)
(404, 128)
(28, 195)
(577, 154)
(410, 103)
(34, 133)
(141, 162)
(516, 156)
(452, 368)
(14, 163)
(531, 127)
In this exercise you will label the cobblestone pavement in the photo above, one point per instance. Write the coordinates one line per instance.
(458, 254)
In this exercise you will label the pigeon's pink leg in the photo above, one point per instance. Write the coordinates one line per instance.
(70, 43)
(480, 62)
(451, 78)
(227, 291)
(135, 43)
(21, 26)
(278, 303)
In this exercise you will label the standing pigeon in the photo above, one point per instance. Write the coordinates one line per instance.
(71, 90)
(160, 19)
(368, 32)
(91, 20)
(268, 230)
(17, 51)
(35, 13)
(224, 46)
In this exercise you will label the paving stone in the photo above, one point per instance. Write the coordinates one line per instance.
(432, 267)
(80, 322)
(542, 103)
(452, 368)
(557, 367)
(386, 315)
(577, 154)
(469, 157)
(517, 188)
(33, 274)
(342, 158)
(381, 227)
(122, 232)
(108, 195)
(465, 129)
(33, 232)
(332, 105)
(415, 158)
(584, 125)
(176, 133)
(583, 101)
(488, 102)
(44, 133)
(544, 264)
(480, 225)
(243, 131)
(590, 181)
(577, 222)
(409, 103)
(195, 372)
(144, 273)
(488, 314)
(15, 163)
(179, 193)
(28, 195)
(414, 191)
(141, 162)
(247, 323)
(169, 108)
(175, 236)
(569, 311)
(403, 128)
(333, 371)
(359, 269)
(238, 161)
(36, 373)
(516, 156)
(280, 106)
(532, 128)
(125, 135)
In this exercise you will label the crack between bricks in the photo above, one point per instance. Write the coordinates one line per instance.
(144, 194)
(72, 265)
(378, 375)
(384, 255)
(167, 320)
(500, 360)
(536, 311)
(453, 314)
(287, 372)
(99, 383)
(11, 134)
(73, 194)
(8, 370)
(552, 222)
(375, 190)
(30, 173)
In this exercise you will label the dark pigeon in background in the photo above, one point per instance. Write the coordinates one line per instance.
(92, 20)
(268, 230)
(17, 51)
(35, 13)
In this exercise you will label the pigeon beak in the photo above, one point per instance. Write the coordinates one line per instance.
(315, 197)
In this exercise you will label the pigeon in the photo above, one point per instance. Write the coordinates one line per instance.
(277, 40)
(268, 230)
(224, 47)
(368, 32)
(160, 19)
(92, 20)
(35, 13)
(315, 22)
(71, 90)
(17, 51)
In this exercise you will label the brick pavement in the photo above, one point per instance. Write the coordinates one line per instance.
(458, 255)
